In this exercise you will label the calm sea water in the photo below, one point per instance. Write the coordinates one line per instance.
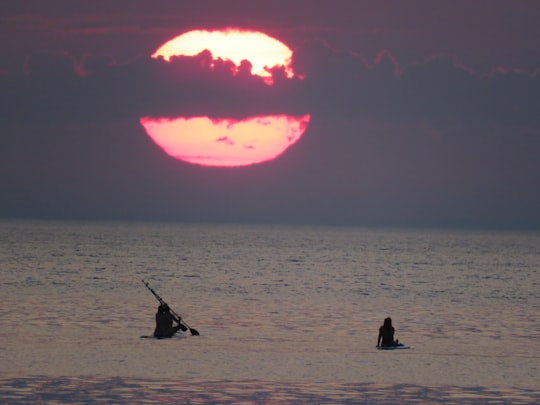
(286, 314)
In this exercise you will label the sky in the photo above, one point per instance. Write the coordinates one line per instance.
(423, 113)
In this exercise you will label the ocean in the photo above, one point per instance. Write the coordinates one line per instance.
(286, 314)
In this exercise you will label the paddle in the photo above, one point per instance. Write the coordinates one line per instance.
(183, 325)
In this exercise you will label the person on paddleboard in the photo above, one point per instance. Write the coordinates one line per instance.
(386, 334)
(164, 323)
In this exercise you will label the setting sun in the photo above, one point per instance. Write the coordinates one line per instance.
(262, 51)
(225, 142)
(228, 142)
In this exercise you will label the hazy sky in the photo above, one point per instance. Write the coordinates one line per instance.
(423, 113)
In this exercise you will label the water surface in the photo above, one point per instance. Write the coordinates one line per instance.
(285, 313)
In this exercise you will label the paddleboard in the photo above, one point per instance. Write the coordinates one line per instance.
(176, 336)
(397, 347)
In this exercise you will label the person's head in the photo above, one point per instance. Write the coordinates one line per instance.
(388, 322)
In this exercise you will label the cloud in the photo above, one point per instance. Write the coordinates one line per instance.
(439, 90)
(430, 143)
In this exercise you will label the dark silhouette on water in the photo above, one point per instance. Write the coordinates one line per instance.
(165, 321)
(164, 325)
(386, 334)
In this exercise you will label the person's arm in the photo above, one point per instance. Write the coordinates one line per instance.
(379, 338)
(179, 323)
(175, 319)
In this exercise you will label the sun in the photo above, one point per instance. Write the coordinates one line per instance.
(228, 142)
(263, 51)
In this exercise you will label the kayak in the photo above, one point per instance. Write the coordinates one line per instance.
(396, 347)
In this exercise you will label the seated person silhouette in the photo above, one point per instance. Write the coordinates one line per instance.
(164, 323)
(386, 334)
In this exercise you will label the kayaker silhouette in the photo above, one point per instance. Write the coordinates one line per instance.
(165, 321)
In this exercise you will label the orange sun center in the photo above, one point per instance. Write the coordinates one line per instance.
(228, 142)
